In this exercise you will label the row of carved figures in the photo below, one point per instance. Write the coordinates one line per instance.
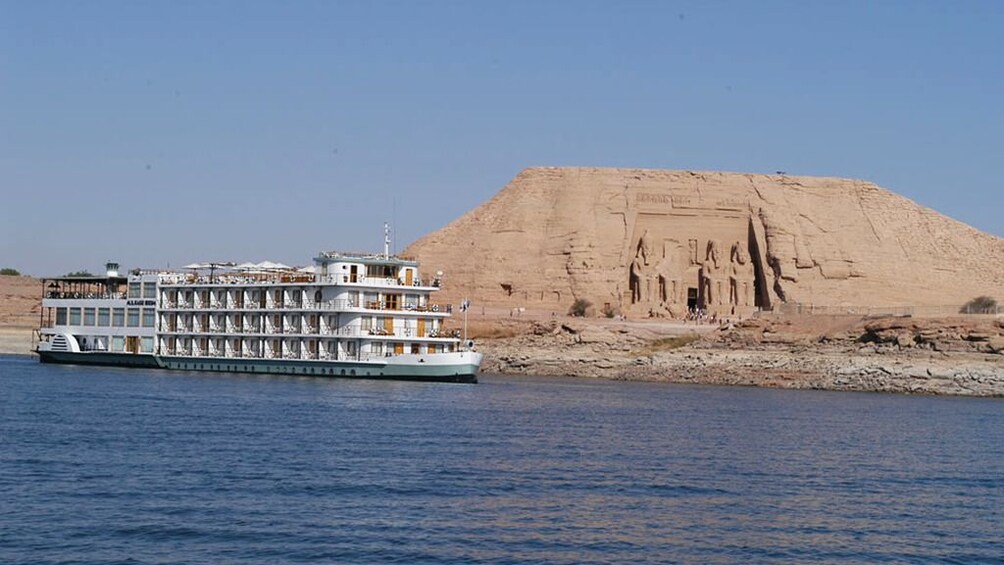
(719, 282)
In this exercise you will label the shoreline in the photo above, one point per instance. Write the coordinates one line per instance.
(824, 370)
(895, 355)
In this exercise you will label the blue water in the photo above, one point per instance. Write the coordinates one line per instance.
(133, 466)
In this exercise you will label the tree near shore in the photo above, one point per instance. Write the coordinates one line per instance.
(980, 305)
(580, 307)
(9, 272)
(79, 274)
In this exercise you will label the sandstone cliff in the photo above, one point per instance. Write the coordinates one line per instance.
(20, 302)
(658, 242)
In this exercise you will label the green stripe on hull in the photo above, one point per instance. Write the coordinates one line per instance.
(460, 373)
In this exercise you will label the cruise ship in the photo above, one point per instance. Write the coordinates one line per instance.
(350, 315)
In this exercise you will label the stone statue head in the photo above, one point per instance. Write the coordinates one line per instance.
(713, 254)
(644, 247)
(739, 253)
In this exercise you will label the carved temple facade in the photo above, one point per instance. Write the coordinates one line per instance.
(701, 258)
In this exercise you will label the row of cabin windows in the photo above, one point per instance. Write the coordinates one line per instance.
(367, 323)
(106, 317)
(277, 346)
(367, 299)
(397, 348)
(117, 344)
(142, 290)
(123, 344)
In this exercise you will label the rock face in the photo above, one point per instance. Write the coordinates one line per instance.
(657, 242)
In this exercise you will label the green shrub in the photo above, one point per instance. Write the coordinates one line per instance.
(79, 274)
(9, 272)
(579, 307)
(608, 311)
(980, 305)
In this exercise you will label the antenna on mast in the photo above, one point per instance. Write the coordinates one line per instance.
(386, 240)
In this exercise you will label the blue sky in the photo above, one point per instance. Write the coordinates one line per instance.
(158, 133)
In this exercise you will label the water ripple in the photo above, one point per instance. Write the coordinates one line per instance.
(115, 466)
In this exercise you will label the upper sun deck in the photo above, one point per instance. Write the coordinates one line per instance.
(90, 287)
(328, 257)
(330, 268)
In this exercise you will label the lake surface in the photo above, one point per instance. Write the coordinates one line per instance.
(132, 466)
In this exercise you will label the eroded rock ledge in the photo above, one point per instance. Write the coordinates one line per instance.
(903, 355)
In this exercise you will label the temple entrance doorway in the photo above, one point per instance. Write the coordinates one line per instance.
(691, 298)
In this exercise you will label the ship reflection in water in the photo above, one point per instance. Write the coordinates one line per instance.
(100, 464)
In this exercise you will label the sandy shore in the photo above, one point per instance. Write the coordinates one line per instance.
(15, 341)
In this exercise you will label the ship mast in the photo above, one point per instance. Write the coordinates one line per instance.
(386, 240)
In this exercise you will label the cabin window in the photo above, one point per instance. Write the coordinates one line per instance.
(74, 316)
(118, 317)
(146, 345)
(148, 317)
(367, 323)
(88, 316)
(149, 290)
(134, 290)
(380, 271)
(103, 316)
(60, 316)
(377, 348)
(118, 344)
(132, 317)
(414, 349)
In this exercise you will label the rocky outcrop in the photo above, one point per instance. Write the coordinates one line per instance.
(957, 357)
(655, 242)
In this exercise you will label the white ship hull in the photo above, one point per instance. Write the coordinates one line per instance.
(459, 367)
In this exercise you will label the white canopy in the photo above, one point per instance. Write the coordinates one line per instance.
(209, 265)
(269, 265)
